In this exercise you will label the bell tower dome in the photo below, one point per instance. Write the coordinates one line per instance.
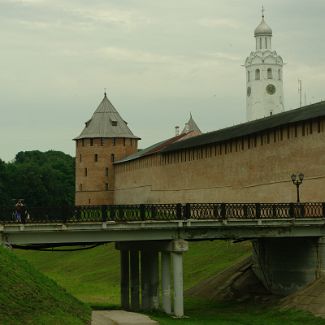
(264, 77)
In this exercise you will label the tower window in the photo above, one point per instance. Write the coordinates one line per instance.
(91, 142)
(96, 157)
(279, 74)
(86, 172)
(106, 171)
(106, 186)
(257, 74)
(114, 141)
(101, 141)
(260, 42)
(269, 73)
(248, 76)
(112, 157)
(83, 142)
(114, 123)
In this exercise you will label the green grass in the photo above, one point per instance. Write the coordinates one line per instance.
(29, 297)
(201, 312)
(93, 275)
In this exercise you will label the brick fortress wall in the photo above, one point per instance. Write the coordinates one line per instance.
(254, 168)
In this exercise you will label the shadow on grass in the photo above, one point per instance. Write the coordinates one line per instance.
(104, 306)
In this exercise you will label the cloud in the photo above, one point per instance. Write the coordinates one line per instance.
(217, 23)
(112, 16)
(123, 54)
(139, 56)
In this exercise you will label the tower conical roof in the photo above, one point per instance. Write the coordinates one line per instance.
(106, 122)
(191, 126)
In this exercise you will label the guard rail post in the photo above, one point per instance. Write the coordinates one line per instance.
(187, 211)
(104, 214)
(112, 213)
(292, 210)
(178, 211)
(258, 210)
(223, 211)
(142, 212)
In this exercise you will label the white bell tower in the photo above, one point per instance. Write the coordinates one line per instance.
(264, 77)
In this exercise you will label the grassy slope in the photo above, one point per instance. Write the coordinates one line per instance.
(93, 275)
(212, 313)
(29, 297)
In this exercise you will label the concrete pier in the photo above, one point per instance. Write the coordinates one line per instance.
(125, 285)
(178, 284)
(165, 282)
(285, 265)
(145, 281)
(148, 273)
(135, 280)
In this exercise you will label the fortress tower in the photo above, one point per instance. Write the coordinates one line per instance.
(105, 139)
(264, 78)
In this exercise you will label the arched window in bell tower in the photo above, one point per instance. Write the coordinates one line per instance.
(269, 73)
(279, 74)
(257, 74)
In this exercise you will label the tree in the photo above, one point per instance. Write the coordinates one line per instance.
(40, 178)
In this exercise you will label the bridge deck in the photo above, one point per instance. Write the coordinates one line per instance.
(94, 224)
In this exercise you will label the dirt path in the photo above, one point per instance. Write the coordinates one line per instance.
(120, 317)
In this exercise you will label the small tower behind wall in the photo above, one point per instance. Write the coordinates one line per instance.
(264, 76)
(105, 139)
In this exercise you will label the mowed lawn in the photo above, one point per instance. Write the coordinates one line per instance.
(93, 275)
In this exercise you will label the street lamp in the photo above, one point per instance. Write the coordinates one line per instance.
(297, 180)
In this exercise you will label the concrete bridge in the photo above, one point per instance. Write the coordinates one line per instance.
(288, 241)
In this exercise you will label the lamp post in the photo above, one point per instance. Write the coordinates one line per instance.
(297, 180)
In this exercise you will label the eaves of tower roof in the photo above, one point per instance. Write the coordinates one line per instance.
(155, 148)
(309, 112)
(106, 122)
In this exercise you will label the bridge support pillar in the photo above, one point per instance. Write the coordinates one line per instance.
(165, 282)
(285, 265)
(149, 274)
(177, 258)
(145, 280)
(125, 286)
(154, 280)
(135, 281)
(321, 245)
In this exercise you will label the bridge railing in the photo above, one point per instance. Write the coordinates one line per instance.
(164, 212)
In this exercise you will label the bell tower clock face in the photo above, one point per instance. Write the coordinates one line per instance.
(270, 89)
(249, 90)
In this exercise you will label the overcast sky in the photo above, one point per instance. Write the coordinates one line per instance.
(159, 60)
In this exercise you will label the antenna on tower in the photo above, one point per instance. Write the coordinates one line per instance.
(300, 92)
(263, 11)
(305, 98)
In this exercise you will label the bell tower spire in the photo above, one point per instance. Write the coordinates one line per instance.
(263, 76)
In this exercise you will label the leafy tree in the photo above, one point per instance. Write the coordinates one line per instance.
(40, 178)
